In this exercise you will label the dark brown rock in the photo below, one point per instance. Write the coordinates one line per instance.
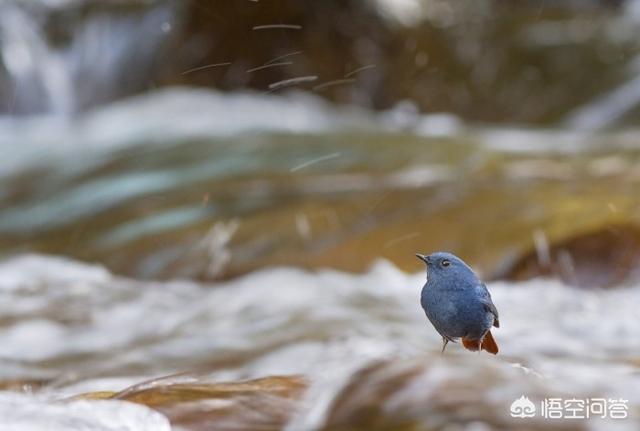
(604, 257)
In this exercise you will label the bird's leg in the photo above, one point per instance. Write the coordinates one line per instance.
(444, 344)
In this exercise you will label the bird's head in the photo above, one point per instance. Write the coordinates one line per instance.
(442, 264)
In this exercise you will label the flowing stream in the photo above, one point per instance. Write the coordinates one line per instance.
(181, 258)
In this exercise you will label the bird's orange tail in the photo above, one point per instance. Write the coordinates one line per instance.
(488, 344)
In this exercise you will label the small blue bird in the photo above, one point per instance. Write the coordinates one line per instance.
(457, 303)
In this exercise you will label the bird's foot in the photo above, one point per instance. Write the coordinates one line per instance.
(444, 344)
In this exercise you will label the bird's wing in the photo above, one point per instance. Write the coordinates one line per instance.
(488, 304)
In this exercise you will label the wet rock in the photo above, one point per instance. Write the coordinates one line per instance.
(456, 391)
(413, 394)
(604, 257)
(265, 404)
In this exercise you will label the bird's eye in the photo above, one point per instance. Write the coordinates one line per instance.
(445, 263)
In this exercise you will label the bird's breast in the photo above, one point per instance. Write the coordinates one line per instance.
(453, 312)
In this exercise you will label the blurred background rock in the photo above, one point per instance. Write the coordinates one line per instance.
(527, 62)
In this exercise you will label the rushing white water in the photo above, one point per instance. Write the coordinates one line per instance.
(97, 56)
(28, 413)
(89, 330)
(194, 114)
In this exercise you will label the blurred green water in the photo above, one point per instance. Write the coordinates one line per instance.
(218, 207)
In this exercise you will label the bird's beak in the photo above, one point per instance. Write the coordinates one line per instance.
(423, 258)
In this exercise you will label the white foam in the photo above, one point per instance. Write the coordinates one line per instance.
(289, 321)
(28, 413)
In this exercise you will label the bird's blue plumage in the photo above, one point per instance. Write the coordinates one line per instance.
(455, 301)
